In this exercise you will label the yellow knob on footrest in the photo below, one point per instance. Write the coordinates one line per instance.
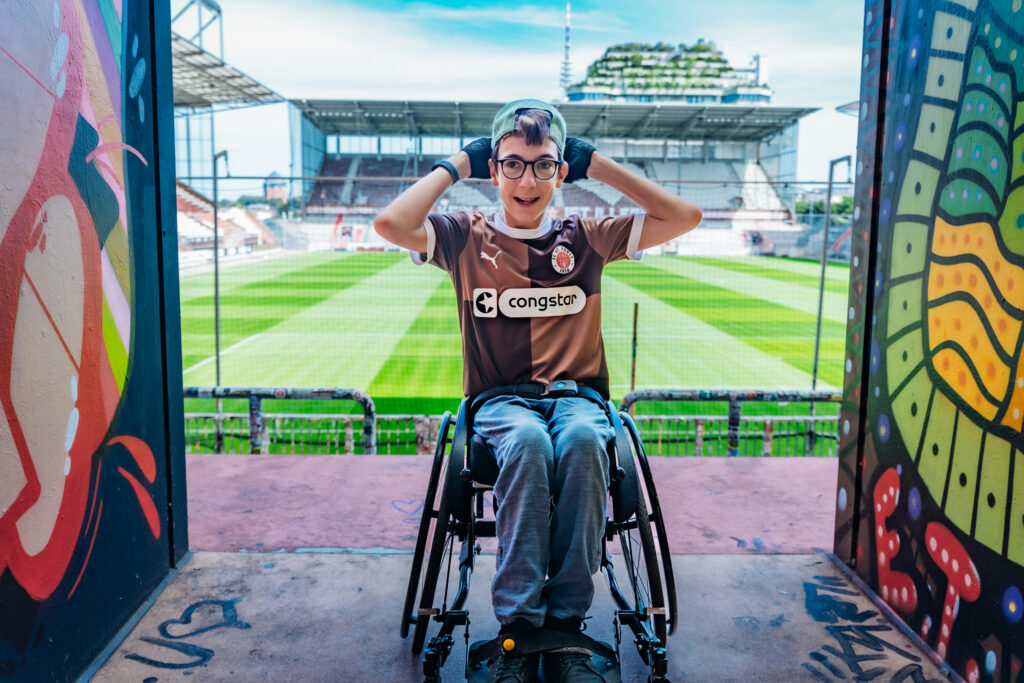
(508, 645)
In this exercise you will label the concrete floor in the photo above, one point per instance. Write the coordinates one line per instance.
(301, 564)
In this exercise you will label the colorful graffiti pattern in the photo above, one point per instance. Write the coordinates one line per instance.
(65, 277)
(941, 530)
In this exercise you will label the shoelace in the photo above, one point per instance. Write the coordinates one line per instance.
(571, 658)
(511, 669)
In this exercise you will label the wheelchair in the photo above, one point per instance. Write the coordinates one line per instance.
(463, 469)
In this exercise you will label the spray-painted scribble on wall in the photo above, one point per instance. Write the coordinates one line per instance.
(76, 147)
(940, 503)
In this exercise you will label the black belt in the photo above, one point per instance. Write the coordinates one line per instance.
(556, 389)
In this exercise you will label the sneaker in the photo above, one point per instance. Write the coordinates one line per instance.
(508, 669)
(577, 666)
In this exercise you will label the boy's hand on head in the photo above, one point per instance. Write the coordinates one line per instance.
(479, 152)
(577, 156)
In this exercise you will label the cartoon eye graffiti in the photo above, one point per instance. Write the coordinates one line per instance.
(65, 281)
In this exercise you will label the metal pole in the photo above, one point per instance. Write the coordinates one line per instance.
(811, 436)
(732, 448)
(219, 438)
(216, 263)
(632, 378)
(824, 261)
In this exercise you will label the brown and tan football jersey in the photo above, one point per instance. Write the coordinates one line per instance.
(529, 299)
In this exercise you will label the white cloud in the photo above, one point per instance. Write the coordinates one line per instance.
(527, 15)
(337, 51)
(332, 49)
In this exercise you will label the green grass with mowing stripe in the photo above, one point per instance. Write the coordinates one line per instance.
(676, 349)
(796, 296)
(253, 305)
(375, 322)
(429, 358)
(837, 277)
(341, 341)
(237, 274)
(775, 329)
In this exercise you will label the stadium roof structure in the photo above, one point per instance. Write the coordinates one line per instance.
(850, 108)
(615, 120)
(202, 79)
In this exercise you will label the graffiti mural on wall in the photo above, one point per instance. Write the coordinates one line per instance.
(942, 526)
(65, 280)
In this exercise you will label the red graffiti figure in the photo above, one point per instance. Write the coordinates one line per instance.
(956, 564)
(897, 588)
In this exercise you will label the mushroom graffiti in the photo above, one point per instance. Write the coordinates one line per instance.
(897, 588)
(952, 558)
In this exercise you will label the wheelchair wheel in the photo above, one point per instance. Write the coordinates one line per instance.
(428, 514)
(656, 517)
(641, 560)
(440, 542)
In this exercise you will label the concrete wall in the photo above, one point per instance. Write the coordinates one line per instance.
(931, 488)
(87, 480)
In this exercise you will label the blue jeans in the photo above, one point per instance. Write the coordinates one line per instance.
(552, 490)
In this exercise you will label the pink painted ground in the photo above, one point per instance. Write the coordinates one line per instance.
(713, 505)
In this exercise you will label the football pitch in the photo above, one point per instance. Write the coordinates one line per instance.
(376, 322)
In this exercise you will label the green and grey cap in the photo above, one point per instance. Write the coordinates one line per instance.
(505, 121)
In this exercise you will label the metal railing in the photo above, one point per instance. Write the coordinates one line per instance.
(312, 434)
(672, 435)
(227, 427)
(703, 435)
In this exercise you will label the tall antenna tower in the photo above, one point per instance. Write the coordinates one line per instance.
(566, 80)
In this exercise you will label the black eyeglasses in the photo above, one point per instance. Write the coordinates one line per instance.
(543, 169)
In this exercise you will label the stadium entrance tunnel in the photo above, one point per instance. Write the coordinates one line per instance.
(297, 563)
(290, 576)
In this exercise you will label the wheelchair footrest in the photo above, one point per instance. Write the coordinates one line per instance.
(536, 640)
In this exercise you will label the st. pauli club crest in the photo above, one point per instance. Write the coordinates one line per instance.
(563, 260)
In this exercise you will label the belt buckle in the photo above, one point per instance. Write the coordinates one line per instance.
(563, 387)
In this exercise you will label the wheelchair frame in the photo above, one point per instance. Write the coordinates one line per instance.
(456, 510)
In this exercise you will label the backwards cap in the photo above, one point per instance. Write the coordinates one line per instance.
(505, 121)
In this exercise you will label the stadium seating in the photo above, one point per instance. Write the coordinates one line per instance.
(239, 232)
(735, 196)
(468, 197)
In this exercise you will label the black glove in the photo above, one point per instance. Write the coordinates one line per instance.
(479, 152)
(577, 155)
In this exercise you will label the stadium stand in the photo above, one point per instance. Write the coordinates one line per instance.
(469, 197)
(240, 232)
(740, 203)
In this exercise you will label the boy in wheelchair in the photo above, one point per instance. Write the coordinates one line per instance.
(528, 286)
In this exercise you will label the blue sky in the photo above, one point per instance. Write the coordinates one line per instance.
(387, 49)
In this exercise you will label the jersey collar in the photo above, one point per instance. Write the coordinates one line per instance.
(522, 233)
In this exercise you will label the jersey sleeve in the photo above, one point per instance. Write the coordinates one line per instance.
(615, 237)
(446, 237)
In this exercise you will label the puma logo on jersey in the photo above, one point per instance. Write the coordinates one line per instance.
(492, 259)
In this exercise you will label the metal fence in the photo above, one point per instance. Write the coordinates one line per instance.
(672, 435)
(733, 435)
(221, 433)
(312, 434)
(778, 436)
